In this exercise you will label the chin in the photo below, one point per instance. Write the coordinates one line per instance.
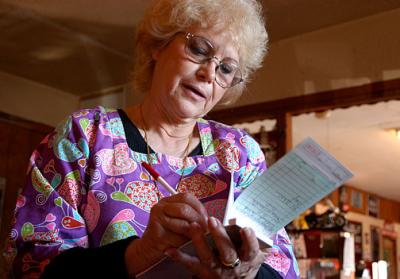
(190, 110)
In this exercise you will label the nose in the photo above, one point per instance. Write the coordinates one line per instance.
(207, 70)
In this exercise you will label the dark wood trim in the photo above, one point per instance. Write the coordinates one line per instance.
(284, 139)
(340, 98)
(30, 125)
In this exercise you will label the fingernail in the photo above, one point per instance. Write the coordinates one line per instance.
(194, 227)
(213, 222)
(206, 220)
(169, 252)
(246, 232)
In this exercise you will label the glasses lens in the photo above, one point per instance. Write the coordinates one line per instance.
(228, 73)
(199, 49)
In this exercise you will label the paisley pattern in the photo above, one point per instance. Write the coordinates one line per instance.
(70, 189)
(91, 212)
(201, 186)
(64, 149)
(113, 128)
(216, 208)
(254, 152)
(228, 156)
(142, 193)
(89, 185)
(278, 260)
(90, 133)
(116, 161)
(247, 175)
(39, 183)
(119, 228)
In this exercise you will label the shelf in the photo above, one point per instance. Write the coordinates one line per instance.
(315, 230)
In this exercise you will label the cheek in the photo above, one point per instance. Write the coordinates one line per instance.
(217, 96)
(181, 71)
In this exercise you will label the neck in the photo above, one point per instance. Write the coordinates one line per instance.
(164, 133)
(162, 122)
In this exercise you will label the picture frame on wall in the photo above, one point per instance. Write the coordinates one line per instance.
(2, 196)
(373, 206)
(353, 199)
(356, 199)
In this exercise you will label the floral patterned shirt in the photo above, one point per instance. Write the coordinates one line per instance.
(86, 188)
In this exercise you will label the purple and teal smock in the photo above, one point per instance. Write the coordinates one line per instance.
(86, 187)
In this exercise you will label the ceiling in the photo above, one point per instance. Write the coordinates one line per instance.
(83, 48)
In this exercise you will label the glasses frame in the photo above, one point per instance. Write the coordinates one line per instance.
(235, 81)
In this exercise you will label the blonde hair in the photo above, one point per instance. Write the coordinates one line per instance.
(164, 18)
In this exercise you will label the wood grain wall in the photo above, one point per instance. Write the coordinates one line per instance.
(18, 138)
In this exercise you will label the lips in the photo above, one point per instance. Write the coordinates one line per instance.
(197, 91)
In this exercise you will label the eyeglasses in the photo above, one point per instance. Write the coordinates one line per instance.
(200, 50)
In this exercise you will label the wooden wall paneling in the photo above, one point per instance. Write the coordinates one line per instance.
(5, 131)
(284, 125)
(23, 123)
(385, 208)
(17, 160)
(389, 210)
(18, 138)
(4, 141)
(334, 197)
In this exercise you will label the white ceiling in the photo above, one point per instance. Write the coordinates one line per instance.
(85, 46)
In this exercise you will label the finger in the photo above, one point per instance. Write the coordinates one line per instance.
(175, 225)
(163, 213)
(168, 239)
(190, 262)
(191, 200)
(203, 250)
(182, 211)
(250, 247)
(226, 249)
(158, 217)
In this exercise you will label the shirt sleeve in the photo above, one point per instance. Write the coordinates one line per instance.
(107, 261)
(281, 255)
(47, 217)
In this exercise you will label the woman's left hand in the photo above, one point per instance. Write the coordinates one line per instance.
(208, 265)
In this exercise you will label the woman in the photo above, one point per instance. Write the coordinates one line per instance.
(89, 204)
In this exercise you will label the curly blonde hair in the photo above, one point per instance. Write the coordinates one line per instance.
(165, 18)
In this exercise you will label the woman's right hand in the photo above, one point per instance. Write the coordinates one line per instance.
(168, 227)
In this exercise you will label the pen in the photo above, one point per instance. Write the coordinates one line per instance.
(159, 178)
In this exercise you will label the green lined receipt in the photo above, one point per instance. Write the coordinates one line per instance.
(297, 181)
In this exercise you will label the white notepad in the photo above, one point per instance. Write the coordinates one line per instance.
(297, 181)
